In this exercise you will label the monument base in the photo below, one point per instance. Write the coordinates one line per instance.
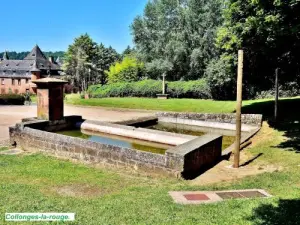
(162, 96)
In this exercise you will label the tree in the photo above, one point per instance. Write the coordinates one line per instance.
(269, 33)
(105, 57)
(128, 70)
(178, 34)
(21, 55)
(128, 51)
(78, 61)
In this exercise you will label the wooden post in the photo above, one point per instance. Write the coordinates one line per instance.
(276, 94)
(238, 109)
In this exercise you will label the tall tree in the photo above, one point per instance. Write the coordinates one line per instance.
(269, 33)
(105, 57)
(176, 36)
(79, 60)
(127, 51)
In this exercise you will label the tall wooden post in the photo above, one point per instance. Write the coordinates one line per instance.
(276, 94)
(239, 109)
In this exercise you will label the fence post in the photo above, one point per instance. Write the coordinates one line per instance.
(238, 109)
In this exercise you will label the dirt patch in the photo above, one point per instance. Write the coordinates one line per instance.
(81, 191)
(223, 172)
(263, 135)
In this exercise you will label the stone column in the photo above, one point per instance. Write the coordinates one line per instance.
(164, 84)
(50, 99)
(163, 95)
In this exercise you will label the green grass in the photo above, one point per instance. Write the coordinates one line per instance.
(3, 148)
(177, 105)
(30, 183)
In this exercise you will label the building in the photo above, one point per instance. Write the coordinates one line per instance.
(16, 75)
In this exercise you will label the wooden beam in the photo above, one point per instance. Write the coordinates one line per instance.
(239, 109)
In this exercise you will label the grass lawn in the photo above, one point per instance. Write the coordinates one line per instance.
(177, 105)
(3, 148)
(37, 183)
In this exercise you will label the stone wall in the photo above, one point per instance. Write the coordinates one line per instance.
(195, 156)
(249, 119)
(183, 160)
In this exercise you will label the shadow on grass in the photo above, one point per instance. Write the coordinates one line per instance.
(286, 212)
(288, 120)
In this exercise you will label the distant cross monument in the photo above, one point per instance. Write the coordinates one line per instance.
(164, 84)
(163, 95)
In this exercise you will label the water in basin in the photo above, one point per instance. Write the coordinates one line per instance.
(184, 129)
(118, 141)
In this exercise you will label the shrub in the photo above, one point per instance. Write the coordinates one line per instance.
(220, 80)
(128, 70)
(290, 89)
(150, 88)
(11, 99)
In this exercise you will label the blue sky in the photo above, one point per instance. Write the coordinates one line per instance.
(54, 24)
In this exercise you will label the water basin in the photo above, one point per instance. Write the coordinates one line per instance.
(118, 141)
(184, 129)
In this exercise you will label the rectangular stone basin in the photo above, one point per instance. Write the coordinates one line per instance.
(120, 141)
(189, 130)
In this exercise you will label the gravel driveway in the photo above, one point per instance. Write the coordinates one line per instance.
(10, 115)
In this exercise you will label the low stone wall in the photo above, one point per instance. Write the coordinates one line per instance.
(195, 156)
(249, 119)
(212, 121)
(184, 160)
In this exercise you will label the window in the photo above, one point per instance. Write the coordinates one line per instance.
(19, 82)
(27, 81)
(12, 81)
(2, 81)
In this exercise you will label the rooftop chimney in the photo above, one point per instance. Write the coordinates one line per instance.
(51, 59)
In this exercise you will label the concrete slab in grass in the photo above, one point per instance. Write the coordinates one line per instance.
(204, 197)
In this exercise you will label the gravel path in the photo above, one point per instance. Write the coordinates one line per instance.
(10, 115)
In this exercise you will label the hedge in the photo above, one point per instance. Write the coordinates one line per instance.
(11, 99)
(149, 88)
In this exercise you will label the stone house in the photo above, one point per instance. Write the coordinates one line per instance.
(16, 75)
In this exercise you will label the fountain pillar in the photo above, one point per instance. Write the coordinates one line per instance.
(50, 98)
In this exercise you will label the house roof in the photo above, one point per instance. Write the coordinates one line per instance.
(34, 61)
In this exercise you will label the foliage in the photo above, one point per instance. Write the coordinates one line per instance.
(21, 55)
(177, 37)
(268, 31)
(105, 57)
(11, 99)
(85, 62)
(150, 88)
(128, 70)
(128, 51)
(290, 89)
(219, 77)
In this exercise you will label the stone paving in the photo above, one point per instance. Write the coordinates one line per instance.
(10, 115)
(203, 197)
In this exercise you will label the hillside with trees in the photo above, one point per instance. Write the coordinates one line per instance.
(21, 55)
